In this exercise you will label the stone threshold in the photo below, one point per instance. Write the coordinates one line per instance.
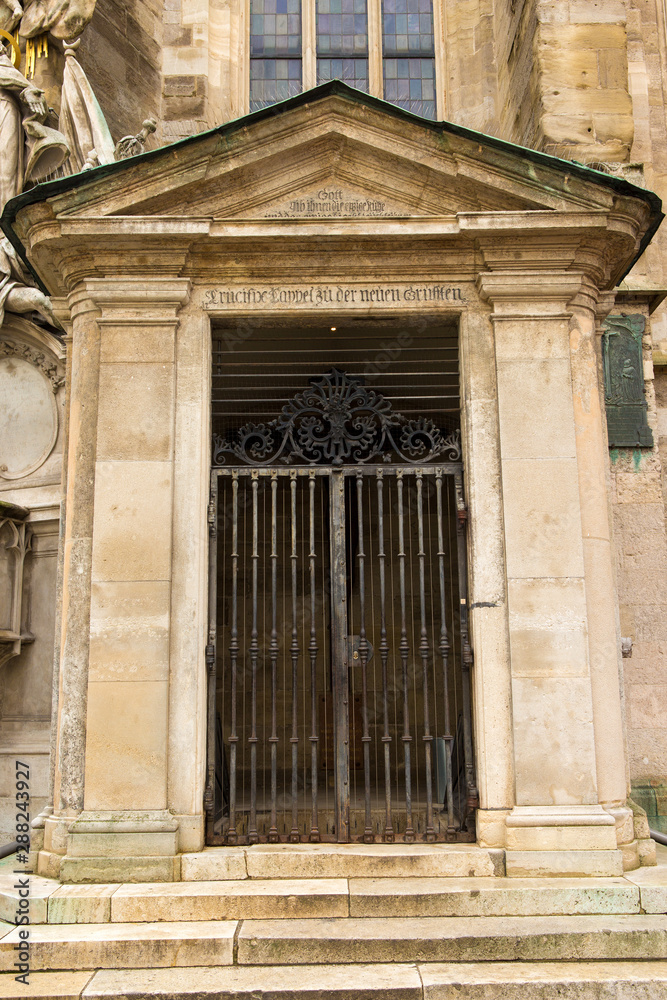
(410, 981)
(342, 861)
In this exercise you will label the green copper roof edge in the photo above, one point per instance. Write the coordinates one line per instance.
(43, 191)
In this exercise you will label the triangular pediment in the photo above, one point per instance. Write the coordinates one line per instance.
(332, 153)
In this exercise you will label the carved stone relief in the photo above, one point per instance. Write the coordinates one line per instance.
(627, 426)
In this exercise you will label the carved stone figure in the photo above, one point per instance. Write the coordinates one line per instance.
(11, 13)
(17, 293)
(31, 148)
(64, 19)
(17, 96)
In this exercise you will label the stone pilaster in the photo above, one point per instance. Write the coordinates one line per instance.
(189, 580)
(492, 679)
(124, 827)
(601, 600)
(557, 825)
(78, 469)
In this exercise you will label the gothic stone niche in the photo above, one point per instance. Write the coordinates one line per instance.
(15, 537)
(627, 426)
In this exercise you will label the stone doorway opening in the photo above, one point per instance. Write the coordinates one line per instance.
(338, 655)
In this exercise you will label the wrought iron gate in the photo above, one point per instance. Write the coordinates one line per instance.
(338, 654)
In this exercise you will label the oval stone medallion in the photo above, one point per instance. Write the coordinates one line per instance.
(28, 418)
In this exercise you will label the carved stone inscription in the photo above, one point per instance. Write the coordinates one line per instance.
(323, 296)
(328, 203)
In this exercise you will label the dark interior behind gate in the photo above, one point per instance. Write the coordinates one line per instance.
(339, 659)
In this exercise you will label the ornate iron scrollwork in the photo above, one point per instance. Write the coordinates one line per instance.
(338, 420)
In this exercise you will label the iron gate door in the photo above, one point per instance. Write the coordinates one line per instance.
(338, 652)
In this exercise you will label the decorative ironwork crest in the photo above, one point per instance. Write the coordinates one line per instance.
(338, 420)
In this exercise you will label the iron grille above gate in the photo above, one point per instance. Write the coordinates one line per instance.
(338, 653)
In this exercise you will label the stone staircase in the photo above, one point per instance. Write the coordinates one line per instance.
(350, 923)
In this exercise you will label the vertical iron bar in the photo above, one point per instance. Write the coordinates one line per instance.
(363, 656)
(404, 650)
(443, 649)
(339, 653)
(209, 793)
(232, 837)
(472, 802)
(273, 835)
(388, 835)
(312, 648)
(294, 835)
(424, 653)
(253, 836)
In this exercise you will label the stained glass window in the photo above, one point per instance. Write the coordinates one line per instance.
(408, 63)
(342, 42)
(275, 51)
(340, 30)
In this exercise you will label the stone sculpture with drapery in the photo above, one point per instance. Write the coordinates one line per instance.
(34, 143)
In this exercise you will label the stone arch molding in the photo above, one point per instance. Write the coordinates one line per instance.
(31, 375)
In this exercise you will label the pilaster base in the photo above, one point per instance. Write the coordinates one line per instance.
(491, 827)
(571, 841)
(48, 864)
(92, 870)
(123, 846)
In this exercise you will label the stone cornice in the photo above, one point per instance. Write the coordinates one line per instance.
(126, 300)
(529, 293)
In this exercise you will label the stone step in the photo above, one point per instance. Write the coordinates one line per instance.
(342, 861)
(338, 941)
(454, 981)
(230, 900)
(545, 981)
(360, 897)
(122, 946)
(451, 939)
(432, 897)
(407, 897)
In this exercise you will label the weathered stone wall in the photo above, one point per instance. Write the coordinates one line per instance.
(639, 478)
(646, 672)
(472, 85)
(25, 688)
(638, 504)
(202, 54)
(26, 679)
(121, 53)
(585, 109)
(518, 76)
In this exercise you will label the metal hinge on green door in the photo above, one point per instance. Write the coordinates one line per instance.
(627, 426)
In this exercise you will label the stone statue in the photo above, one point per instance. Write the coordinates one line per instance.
(11, 13)
(17, 293)
(18, 98)
(64, 19)
(31, 147)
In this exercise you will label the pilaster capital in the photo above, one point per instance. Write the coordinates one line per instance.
(128, 300)
(514, 293)
(590, 299)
